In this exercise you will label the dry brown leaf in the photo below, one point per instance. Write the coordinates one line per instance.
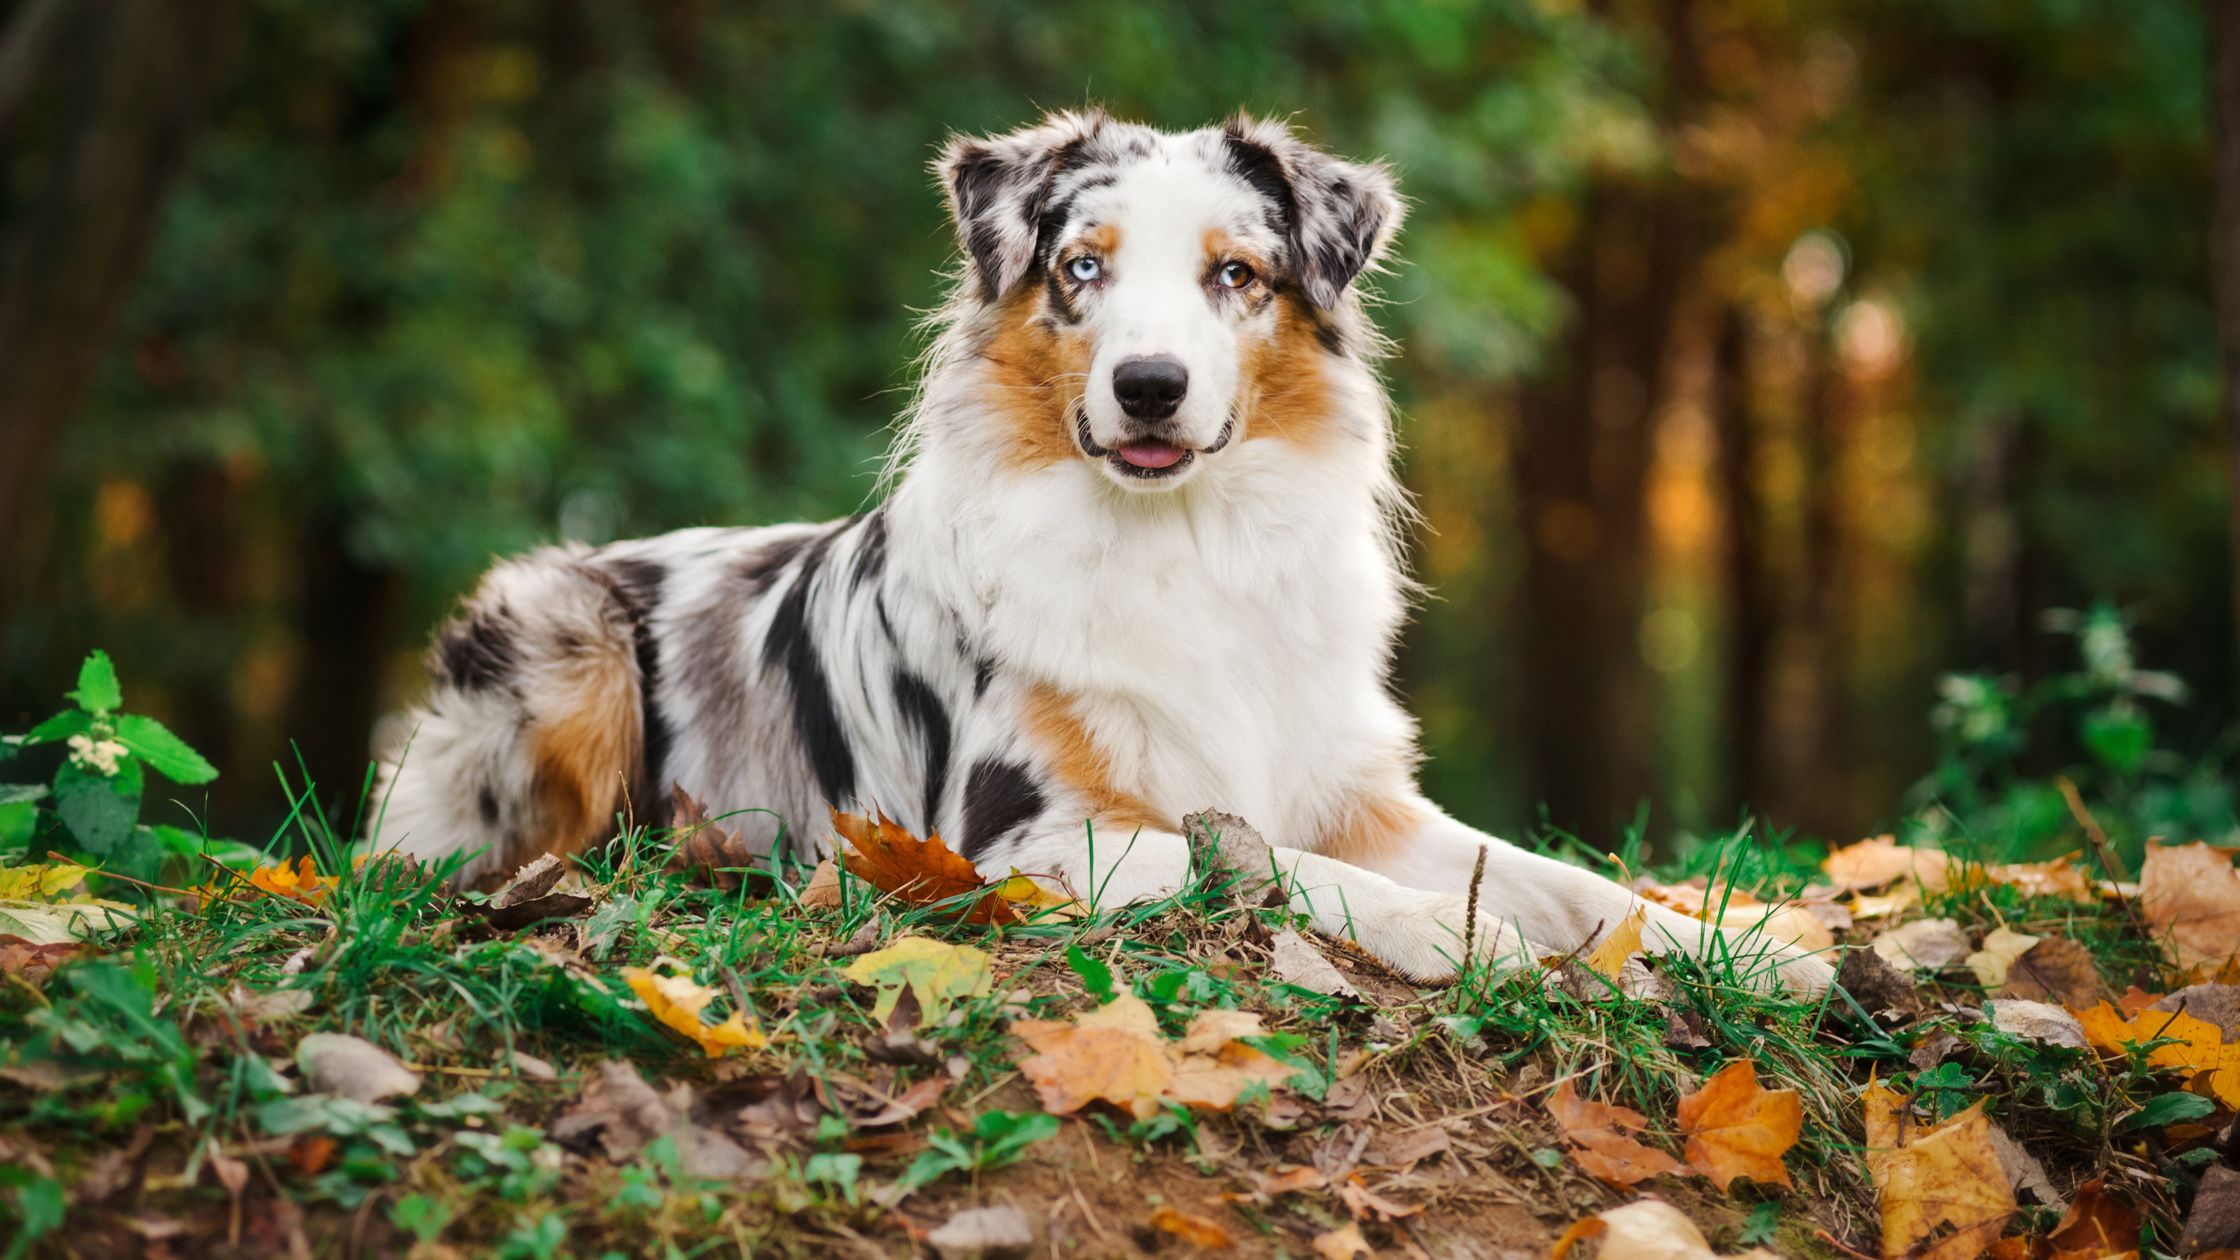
(1930, 1178)
(2041, 1022)
(2001, 950)
(920, 872)
(1113, 1054)
(2098, 1223)
(1603, 1133)
(1923, 945)
(1737, 1128)
(544, 889)
(2190, 896)
(1342, 1243)
(1366, 1204)
(353, 1068)
(1882, 861)
(2214, 1219)
(2055, 969)
(822, 892)
(1647, 1229)
(2197, 1047)
(981, 1233)
(706, 848)
(1192, 1228)
(1623, 942)
(2060, 877)
(625, 1114)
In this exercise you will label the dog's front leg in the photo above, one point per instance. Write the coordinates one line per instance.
(1561, 904)
(1420, 933)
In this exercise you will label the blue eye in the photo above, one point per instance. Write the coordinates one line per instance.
(1085, 269)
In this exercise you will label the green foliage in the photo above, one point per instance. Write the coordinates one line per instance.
(997, 1138)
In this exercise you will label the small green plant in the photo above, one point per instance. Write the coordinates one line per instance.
(998, 1138)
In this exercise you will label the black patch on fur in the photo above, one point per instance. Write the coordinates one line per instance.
(886, 623)
(924, 710)
(478, 652)
(871, 549)
(999, 797)
(761, 570)
(637, 583)
(1061, 303)
(789, 648)
(487, 801)
(1257, 165)
(983, 673)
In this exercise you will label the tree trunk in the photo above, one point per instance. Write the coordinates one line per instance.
(137, 78)
(2224, 107)
(342, 621)
(1586, 433)
(1750, 616)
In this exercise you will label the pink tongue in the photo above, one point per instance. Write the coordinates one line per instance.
(1150, 454)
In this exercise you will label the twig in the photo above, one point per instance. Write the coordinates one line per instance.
(1837, 1243)
(137, 883)
(2092, 828)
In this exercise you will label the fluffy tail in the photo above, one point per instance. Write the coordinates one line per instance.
(534, 734)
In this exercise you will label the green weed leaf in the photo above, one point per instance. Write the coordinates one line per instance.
(165, 753)
(1093, 973)
(2172, 1108)
(97, 685)
(59, 727)
(99, 809)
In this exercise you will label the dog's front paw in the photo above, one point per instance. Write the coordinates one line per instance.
(1427, 940)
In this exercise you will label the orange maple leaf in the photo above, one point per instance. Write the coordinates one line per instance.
(926, 872)
(2196, 1046)
(1737, 1128)
(1603, 1132)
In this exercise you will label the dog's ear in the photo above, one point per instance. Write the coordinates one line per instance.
(997, 186)
(1338, 216)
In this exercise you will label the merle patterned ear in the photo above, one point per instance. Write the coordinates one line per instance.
(997, 186)
(1339, 216)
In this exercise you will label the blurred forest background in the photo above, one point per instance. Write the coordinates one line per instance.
(1760, 360)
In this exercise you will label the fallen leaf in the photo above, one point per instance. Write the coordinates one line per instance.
(42, 881)
(2037, 1021)
(1886, 905)
(1295, 960)
(2190, 897)
(1192, 1228)
(2001, 950)
(2217, 1004)
(1603, 1134)
(1878, 985)
(1923, 945)
(983, 1234)
(33, 962)
(1647, 1229)
(1214, 1078)
(935, 972)
(703, 848)
(1882, 861)
(2196, 1047)
(1623, 942)
(625, 1114)
(924, 872)
(353, 1068)
(822, 892)
(1737, 1128)
(2098, 1223)
(1342, 1243)
(300, 882)
(1283, 1181)
(677, 1000)
(2055, 969)
(1930, 1178)
(2023, 1170)
(544, 889)
(2214, 1220)
(1113, 1054)
(2060, 877)
(1365, 1204)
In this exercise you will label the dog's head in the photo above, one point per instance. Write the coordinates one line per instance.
(1147, 300)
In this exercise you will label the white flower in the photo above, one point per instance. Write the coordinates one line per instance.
(97, 755)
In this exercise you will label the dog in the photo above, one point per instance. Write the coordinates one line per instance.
(1140, 556)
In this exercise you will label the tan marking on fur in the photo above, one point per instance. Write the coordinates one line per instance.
(1037, 370)
(1073, 756)
(1103, 239)
(1220, 247)
(1373, 827)
(585, 756)
(1286, 396)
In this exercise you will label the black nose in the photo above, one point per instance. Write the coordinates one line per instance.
(1150, 386)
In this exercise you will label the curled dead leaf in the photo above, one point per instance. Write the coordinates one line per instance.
(677, 1001)
(1198, 1231)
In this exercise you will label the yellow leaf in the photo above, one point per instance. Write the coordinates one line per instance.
(1928, 1179)
(1737, 1128)
(2000, 951)
(935, 972)
(2197, 1046)
(46, 881)
(677, 1000)
(1623, 942)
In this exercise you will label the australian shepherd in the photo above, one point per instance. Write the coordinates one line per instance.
(1140, 558)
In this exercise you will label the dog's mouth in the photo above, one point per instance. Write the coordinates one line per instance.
(1146, 459)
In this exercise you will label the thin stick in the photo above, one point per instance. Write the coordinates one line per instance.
(137, 883)
(2091, 827)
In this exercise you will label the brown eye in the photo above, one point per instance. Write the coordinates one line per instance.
(1235, 275)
